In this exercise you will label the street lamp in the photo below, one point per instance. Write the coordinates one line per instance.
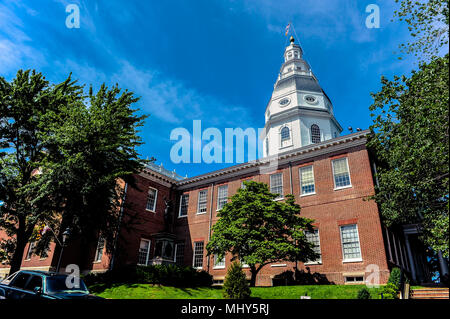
(65, 236)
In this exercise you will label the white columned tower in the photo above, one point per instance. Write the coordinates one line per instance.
(299, 112)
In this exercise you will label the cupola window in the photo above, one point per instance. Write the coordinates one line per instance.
(285, 135)
(315, 134)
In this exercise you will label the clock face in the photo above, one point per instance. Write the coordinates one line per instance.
(284, 102)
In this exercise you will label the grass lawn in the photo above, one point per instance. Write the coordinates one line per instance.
(145, 291)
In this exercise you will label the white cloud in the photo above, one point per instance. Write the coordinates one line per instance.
(167, 99)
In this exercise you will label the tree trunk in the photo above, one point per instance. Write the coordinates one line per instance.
(254, 272)
(16, 260)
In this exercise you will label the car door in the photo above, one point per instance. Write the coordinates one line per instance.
(17, 286)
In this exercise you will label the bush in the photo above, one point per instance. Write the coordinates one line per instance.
(167, 275)
(396, 279)
(363, 293)
(389, 292)
(235, 285)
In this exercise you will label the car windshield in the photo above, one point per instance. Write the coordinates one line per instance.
(57, 284)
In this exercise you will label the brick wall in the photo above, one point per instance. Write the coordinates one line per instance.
(328, 207)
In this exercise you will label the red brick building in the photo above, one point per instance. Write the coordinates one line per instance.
(168, 219)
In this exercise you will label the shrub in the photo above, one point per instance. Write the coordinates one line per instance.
(235, 285)
(389, 292)
(167, 275)
(363, 293)
(396, 279)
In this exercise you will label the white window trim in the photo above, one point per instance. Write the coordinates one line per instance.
(319, 261)
(349, 175)
(198, 202)
(154, 205)
(96, 260)
(300, 178)
(278, 265)
(219, 209)
(31, 246)
(290, 141)
(282, 186)
(219, 267)
(203, 256)
(350, 260)
(148, 251)
(179, 211)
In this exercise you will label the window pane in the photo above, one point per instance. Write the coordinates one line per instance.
(276, 184)
(30, 250)
(222, 198)
(184, 202)
(307, 180)
(341, 174)
(20, 280)
(202, 197)
(151, 199)
(179, 255)
(35, 281)
(144, 250)
(350, 242)
(313, 237)
(285, 133)
(198, 254)
(315, 134)
(99, 250)
(219, 263)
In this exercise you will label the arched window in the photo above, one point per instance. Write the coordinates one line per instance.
(315, 134)
(285, 134)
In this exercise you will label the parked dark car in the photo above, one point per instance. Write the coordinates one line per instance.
(26, 284)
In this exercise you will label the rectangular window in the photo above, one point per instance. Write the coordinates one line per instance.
(219, 264)
(144, 252)
(341, 173)
(202, 199)
(99, 250)
(222, 196)
(307, 180)
(30, 250)
(276, 184)
(198, 254)
(179, 254)
(151, 199)
(350, 243)
(354, 279)
(184, 202)
(313, 237)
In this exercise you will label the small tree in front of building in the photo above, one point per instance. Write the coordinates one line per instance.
(260, 230)
(235, 285)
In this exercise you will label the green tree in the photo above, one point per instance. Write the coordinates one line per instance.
(411, 143)
(235, 285)
(22, 103)
(259, 230)
(62, 155)
(428, 22)
(363, 293)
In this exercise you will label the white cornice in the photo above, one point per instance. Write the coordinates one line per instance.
(303, 153)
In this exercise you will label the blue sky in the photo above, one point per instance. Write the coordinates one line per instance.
(214, 61)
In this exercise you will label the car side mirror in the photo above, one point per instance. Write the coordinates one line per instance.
(37, 290)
